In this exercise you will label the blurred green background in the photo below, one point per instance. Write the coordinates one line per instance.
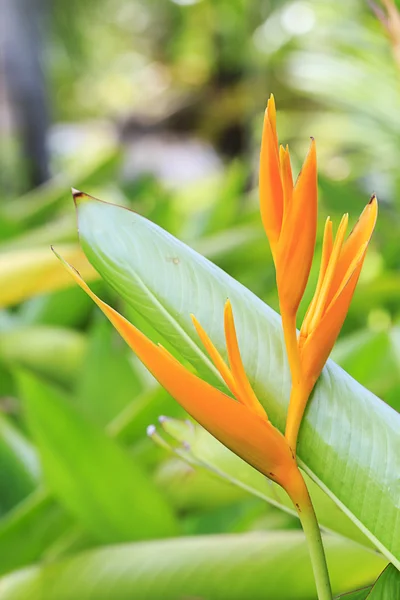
(158, 105)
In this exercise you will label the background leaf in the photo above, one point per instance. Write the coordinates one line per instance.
(231, 566)
(89, 473)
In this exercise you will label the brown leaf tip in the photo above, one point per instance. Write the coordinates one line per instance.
(77, 196)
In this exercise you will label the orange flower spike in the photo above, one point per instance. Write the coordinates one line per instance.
(247, 434)
(235, 377)
(297, 238)
(318, 343)
(286, 176)
(289, 216)
(271, 192)
(329, 307)
(246, 393)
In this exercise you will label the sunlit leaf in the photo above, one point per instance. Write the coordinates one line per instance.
(25, 273)
(237, 567)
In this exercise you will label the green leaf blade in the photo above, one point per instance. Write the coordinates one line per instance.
(90, 474)
(257, 566)
(350, 440)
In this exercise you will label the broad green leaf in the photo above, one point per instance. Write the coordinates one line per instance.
(48, 523)
(239, 567)
(89, 473)
(19, 466)
(200, 449)
(54, 352)
(25, 273)
(349, 441)
(387, 586)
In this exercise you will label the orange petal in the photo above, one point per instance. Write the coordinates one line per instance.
(297, 240)
(360, 235)
(286, 176)
(319, 343)
(327, 245)
(245, 391)
(216, 357)
(271, 111)
(326, 287)
(253, 439)
(271, 193)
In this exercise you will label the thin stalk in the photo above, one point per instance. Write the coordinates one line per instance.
(300, 497)
(298, 401)
(292, 350)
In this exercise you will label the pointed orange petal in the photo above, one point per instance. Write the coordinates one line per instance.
(322, 299)
(327, 245)
(286, 176)
(271, 111)
(246, 393)
(297, 240)
(360, 235)
(216, 357)
(319, 343)
(253, 439)
(271, 193)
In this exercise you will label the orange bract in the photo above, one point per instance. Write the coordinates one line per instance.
(240, 425)
(289, 212)
(340, 269)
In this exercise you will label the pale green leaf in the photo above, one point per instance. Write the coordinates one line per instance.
(239, 567)
(349, 440)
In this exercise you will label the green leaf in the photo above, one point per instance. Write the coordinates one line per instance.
(90, 474)
(349, 441)
(387, 586)
(29, 529)
(108, 382)
(19, 466)
(54, 352)
(257, 566)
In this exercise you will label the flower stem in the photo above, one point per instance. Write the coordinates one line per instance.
(299, 495)
(290, 335)
(298, 401)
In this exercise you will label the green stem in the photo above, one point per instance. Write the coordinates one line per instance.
(298, 400)
(300, 497)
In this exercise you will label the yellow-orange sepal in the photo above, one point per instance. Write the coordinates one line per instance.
(239, 427)
(340, 269)
(288, 212)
